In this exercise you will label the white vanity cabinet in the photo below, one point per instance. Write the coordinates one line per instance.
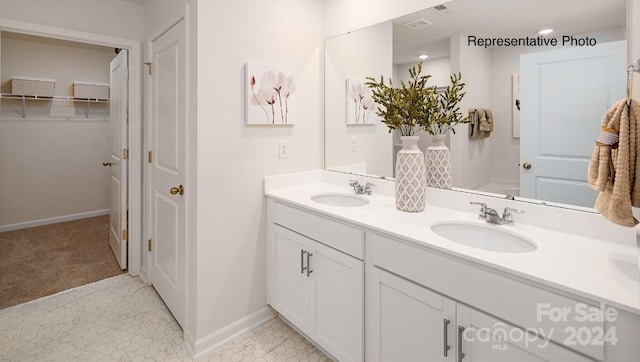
(417, 280)
(422, 301)
(316, 287)
(412, 323)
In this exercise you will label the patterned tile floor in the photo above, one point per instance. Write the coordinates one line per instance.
(122, 319)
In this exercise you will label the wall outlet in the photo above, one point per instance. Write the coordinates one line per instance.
(352, 147)
(283, 149)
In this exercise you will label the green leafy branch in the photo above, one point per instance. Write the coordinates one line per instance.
(416, 104)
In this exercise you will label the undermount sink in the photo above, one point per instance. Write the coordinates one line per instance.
(340, 199)
(481, 236)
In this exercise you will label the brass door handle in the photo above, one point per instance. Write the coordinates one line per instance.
(177, 190)
(526, 166)
(105, 164)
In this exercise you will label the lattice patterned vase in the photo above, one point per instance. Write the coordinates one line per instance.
(438, 164)
(410, 176)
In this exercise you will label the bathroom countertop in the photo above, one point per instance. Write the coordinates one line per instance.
(595, 269)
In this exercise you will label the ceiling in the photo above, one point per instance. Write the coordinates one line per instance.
(502, 18)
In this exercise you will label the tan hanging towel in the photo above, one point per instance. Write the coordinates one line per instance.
(486, 125)
(476, 116)
(614, 169)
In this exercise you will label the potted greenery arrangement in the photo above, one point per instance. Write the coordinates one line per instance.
(447, 115)
(413, 106)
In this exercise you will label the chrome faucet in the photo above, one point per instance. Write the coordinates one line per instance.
(507, 216)
(359, 189)
(491, 215)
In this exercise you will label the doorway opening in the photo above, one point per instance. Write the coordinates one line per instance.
(56, 158)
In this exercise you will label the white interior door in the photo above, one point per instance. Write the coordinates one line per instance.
(118, 204)
(167, 174)
(565, 93)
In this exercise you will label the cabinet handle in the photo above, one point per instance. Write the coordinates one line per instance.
(302, 267)
(460, 354)
(445, 327)
(309, 271)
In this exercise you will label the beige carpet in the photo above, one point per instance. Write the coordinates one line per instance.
(44, 260)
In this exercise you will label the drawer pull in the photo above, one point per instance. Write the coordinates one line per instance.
(309, 271)
(302, 267)
(460, 354)
(445, 327)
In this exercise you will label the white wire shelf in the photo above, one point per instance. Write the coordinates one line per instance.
(54, 98)
(63, 104)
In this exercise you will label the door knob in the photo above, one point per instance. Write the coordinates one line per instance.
(105, 164)
(526, 166)
(177, 190)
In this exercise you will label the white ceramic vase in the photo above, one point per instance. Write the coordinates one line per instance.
(410, 176)
(438, 159)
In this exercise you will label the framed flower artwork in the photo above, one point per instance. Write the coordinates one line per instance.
(269, 95)
(360, 104)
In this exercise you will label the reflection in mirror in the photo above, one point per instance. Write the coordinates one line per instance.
(547, 99)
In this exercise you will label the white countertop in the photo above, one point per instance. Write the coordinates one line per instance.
(595, 269)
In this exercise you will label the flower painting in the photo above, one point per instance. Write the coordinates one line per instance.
(269, 95)
(360, 103)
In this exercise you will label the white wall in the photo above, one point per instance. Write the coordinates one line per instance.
(52, 168)
(113, 17)
(341, 16)
(471, 159)
(363, 53)
(438, 68)
(233, 158)
(158, 12)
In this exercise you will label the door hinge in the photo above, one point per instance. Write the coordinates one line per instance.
(148, 64)
(125, 234)
(125, 153)
(149, 157)
(149, 245)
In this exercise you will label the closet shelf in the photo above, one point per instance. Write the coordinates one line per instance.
(54, 98)
(59, 101)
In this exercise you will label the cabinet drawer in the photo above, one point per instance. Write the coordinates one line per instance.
(516, 302)
(332, 233)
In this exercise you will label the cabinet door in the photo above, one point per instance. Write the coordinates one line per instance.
(292, 283)
(486, 339)
(409, 322)
(337, 302)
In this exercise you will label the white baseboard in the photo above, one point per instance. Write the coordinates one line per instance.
(203, 345)
(52, 220)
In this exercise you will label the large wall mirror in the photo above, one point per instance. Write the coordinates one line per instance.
(547, 101)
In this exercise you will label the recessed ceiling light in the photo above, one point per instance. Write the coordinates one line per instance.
(423, 56)
(545, 31)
